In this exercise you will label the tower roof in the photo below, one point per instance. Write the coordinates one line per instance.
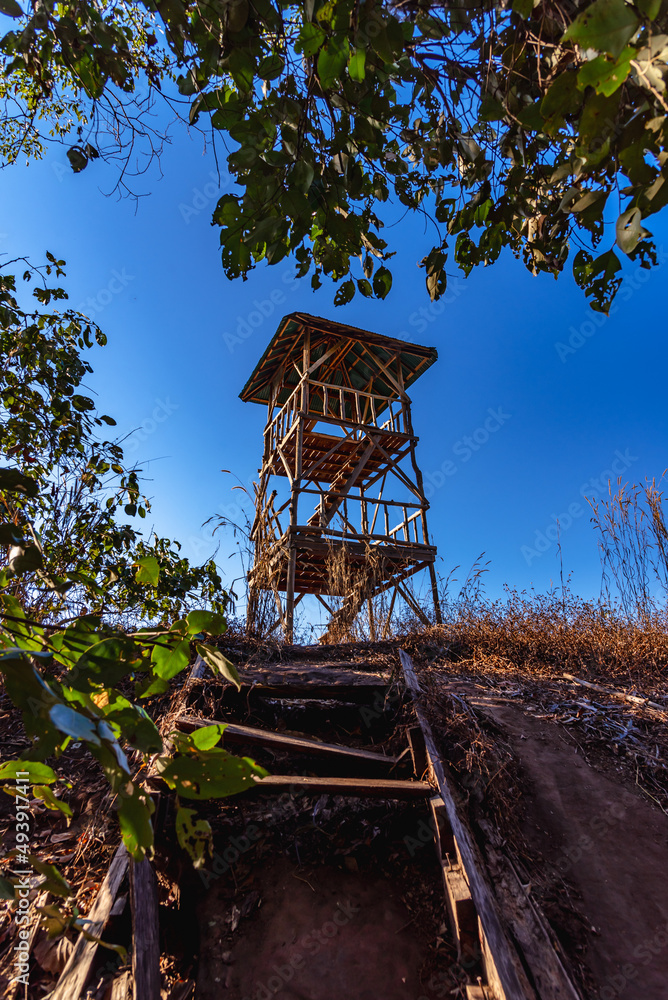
(362, 356)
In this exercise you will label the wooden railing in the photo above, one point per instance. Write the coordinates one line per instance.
(338, 404)
(373, 519)
(341, 403)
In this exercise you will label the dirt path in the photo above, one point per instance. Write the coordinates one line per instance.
(607, 841)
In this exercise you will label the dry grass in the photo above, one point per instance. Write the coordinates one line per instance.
(541, 636)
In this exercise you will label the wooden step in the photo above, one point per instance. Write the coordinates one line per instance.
(235, 734)
(307, 674)
(364, 788)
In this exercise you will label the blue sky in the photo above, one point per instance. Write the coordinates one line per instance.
(545, 423)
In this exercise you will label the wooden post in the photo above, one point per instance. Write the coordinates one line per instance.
(290, 594)
(145, 931)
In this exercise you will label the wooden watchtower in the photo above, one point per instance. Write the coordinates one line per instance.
(339, 482)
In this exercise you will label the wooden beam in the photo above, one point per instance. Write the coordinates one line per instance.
(235, 734)
(145, 931)
(512, 980)
(79, 965)
(365, 788)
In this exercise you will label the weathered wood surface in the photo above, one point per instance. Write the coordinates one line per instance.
(145, 931)
(365, 788)
(652, 706)
(511, 977)
(461, 908)
(78, 968)
(312, 666)
(294, 673)
(523, 918)
(235, 734)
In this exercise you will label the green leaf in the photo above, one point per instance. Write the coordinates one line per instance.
(523, 8)
(560, 99)
(105, 662)
(210, 776)
(7, 889)
(24, 560)
(344, 292)
(44, 793)
(604, 74)
(629, 230)
(10, 8)
(219, 664)
(311, 37)
(271, 67)
(37, 773)
(148, 570)
(365, 288)
(205, 621)
(14, 481)
(382, 282)
(207, 737)
(168, 662)
(301, 176)
(10, 534)
(242, 67)
(650, 8)
(332, 60)
(356, 64)
(78, 159)
(55, 882)
(74, 724)
(193, 834)
(135, 808)
(605, 25)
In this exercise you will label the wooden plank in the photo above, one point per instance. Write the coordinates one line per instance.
(651, 706)
(418, 751)
(79, 965)
(366, 788)
(288, 673)
(512, 980)
(145, 931)
(461, 908)
(280, 741)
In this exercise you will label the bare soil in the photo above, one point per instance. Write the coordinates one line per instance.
(591, 834)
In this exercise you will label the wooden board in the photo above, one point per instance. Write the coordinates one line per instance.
(278, 674)
(235, 734)
(505, 974)
(145, 931)
(365, 788)
(521, 916)
(78, 968)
